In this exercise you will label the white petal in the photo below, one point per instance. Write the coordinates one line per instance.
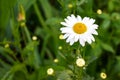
(76, 38)
(91, 21)
(85, 19)
(79, 18)
(92, 38)
(83, 37)
(67, 40)
(69, 18)
(66, 30)
(71, 42)
(69, 22)
(73, 17)
(72, 20)
(70, 37)
(88, 22)
(66, 35)
(65, 24)
(95, 32)
(89, 40)
(82, 42)
(95, 26)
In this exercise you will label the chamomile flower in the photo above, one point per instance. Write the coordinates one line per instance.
(80, 62)
(103, 75)
(50, 71)
(78, 29)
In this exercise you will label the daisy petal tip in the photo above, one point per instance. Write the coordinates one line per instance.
(82, 45)
(96, 34)
(93, 40)
(72, 14)
(71, 44)
(61, 29)
(62, 23)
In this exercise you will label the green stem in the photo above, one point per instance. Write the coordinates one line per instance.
(78, 52)
(27, 34)
(40, 18)
(80, 74)
(83, 52)
(76, 7)
(43, 48)
(35, 52)
(49, 54)
(15, 32)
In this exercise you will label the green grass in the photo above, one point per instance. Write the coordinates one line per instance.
(22, 58)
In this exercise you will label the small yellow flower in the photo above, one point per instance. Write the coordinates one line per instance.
(60, 47)
(80, 62)
(56, 60)
(61, 37)
(70, 5)
(34, 38)
(6, 45)
(99, 11)
(50, 71)
(103, 75)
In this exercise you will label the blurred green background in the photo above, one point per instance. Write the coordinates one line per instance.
(29, 40)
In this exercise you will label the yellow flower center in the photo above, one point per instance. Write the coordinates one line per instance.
(79, 28)
(103, 75)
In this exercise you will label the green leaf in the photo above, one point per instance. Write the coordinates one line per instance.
(111, 5)
(30, 47)
(31, 54)
(6, 52)
(104, 16)
(107, 47)
(46, 8)
(117, 66)
(27, 3)
(19, 75)
(65, 75)
(106, 24)
(5, 7)
(56, 21)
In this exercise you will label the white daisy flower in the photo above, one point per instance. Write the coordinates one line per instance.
(78, 29)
